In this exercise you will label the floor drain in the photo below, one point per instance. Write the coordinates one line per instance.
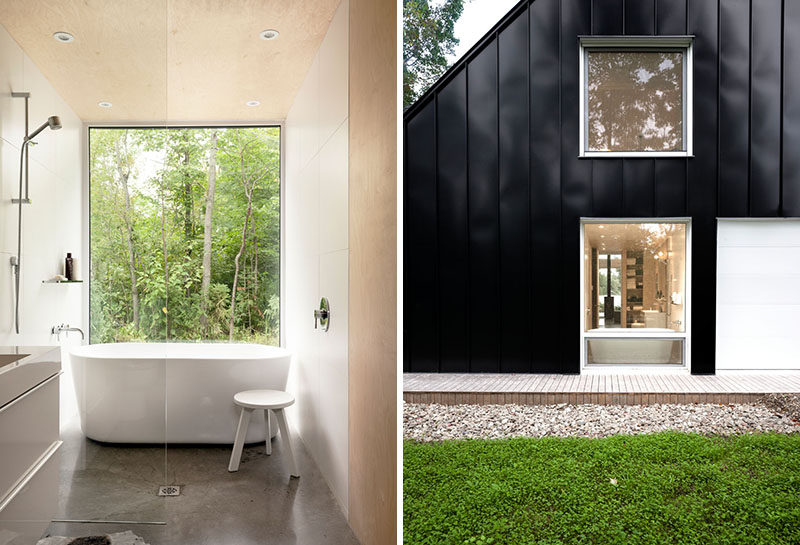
(171, 490)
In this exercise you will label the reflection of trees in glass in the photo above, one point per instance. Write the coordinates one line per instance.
(635, 100)
(181, 220)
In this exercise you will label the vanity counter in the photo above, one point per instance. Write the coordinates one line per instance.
(23, 367)
(29, 440)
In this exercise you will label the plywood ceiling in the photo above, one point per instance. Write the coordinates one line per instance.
(174, 60)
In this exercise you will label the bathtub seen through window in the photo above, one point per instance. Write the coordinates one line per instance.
(634, 292)
(185, 234)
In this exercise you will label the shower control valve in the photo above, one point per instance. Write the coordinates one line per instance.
(322, 316)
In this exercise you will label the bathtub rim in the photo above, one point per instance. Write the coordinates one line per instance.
(85, 351)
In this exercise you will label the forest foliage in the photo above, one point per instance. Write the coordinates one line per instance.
(428, 38)
(185, 234)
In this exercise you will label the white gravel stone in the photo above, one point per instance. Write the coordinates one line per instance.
(434, 422)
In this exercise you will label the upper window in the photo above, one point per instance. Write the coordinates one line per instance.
(636, 96)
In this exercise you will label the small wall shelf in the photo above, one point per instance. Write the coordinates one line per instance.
(62, 281)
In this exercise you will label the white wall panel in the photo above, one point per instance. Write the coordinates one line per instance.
(758, 299)
(333, 77)
(316, 255)
(52, 223)
(333, 191)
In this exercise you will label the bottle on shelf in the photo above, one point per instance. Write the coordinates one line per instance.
(69, 269)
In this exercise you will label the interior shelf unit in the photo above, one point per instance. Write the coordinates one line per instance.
(634, 288)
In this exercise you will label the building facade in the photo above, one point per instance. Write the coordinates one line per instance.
(602, 185)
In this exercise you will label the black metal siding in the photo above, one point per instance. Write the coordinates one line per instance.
(495, 189)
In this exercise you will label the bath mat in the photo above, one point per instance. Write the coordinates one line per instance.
(120, 538)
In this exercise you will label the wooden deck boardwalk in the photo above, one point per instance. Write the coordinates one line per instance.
(604, 389)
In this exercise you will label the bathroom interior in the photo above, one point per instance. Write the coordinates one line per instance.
(119, 364)
(634, 292)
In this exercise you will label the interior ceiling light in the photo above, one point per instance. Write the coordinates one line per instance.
(104, 104)
(253, 103)
(63, 37)
(269, 34)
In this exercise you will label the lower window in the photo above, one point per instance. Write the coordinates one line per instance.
(634, 292)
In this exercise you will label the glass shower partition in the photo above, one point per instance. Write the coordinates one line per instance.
(114, 456)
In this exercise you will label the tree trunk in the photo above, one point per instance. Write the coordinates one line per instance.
(188, 228)
(207, 224)
(166, 261)
(124, 172)
(249, 195)
(249, 185)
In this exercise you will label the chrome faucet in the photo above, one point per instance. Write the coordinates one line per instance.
(57, 330)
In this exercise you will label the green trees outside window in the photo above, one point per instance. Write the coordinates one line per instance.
(185, 234)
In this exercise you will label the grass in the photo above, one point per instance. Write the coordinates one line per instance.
(670, 488)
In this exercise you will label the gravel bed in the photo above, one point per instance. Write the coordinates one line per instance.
(434, 422)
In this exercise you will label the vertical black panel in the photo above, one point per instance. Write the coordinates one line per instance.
(607, 188)
(484, 225)
(790, 197)
(453, 207)
(638, 187)
(545, 183)
(765, 104)
(702, 22)
(670, 17)
(670, 199)
(640, 17)
(607, 18)
(576, 184)
(515, 270)
(734, 106)
(670, 174)
(420, 313)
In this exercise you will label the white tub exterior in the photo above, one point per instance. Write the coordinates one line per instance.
(172, 392)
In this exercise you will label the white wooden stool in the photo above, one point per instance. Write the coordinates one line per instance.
(266, 400)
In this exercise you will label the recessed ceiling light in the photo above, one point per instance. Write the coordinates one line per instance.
(63, 37)
(104, 104)
(253, 103)
(269, 34)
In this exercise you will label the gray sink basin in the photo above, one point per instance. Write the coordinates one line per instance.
(11, 358)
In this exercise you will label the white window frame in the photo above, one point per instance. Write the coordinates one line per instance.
(685, 335)
(637, 43)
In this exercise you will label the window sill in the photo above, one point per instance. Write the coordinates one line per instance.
(635, 154)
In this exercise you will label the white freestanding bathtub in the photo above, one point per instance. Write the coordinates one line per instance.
(172, 392)
(630, 346)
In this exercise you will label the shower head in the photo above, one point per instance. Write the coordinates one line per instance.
(54, 122)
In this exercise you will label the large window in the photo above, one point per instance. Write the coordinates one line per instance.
(185, 234)
(634, 292)
(636, 96)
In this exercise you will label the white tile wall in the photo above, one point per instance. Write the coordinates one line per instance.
(316, 254)
(52, 223)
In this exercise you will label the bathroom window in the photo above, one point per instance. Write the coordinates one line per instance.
(185, 234)
(634, 292)
(636, 96)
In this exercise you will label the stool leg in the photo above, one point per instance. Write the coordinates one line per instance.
(269, 431)
(238, 443)
(280, 415)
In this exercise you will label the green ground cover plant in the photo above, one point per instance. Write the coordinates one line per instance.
(647, 489)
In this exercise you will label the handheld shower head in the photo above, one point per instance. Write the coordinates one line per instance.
(54, 122)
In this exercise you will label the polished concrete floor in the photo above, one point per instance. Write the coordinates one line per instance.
(259, 504)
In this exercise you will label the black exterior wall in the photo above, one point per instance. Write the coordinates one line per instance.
(494, 188)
